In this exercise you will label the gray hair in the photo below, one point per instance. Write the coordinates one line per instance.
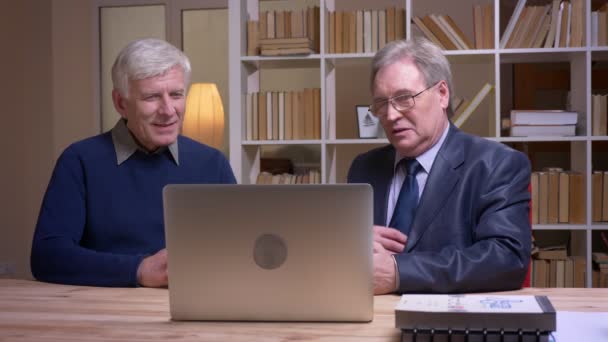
(428, 57)
(145, 58)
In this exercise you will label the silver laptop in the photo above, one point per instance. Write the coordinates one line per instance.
(270, 252)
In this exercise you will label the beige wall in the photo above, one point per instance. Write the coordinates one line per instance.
(207, 48)
(47, 104)
(26, 138)
(118, 26)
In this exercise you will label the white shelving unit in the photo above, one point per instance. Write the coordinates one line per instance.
(471, 68)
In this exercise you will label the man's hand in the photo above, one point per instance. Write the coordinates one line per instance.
(152, 272)
(384, 270)
(390, 238)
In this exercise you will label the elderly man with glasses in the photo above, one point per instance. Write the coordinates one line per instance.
(450, 209)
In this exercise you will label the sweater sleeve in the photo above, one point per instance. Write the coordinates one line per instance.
(226, 174)
(57, 255)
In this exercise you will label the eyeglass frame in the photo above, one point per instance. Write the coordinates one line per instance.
(392, 98)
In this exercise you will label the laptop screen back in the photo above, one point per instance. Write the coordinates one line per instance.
(270, 252)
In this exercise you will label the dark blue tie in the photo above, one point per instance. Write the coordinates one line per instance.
(405, 209)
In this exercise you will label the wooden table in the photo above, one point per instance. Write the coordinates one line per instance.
(35, 311)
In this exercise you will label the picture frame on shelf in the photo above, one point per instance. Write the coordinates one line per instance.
(368, 125)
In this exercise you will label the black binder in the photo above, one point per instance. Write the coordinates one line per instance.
(415, 335)
(475, 318)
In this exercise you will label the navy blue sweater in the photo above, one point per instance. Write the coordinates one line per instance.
(99, 220)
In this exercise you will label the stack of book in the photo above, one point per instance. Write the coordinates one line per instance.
(286, 46)
(443, 31)
(284, 24)
(475, 318)
(313, 176)
(558, 196)
(599, 196)
(553, 267)
(525, 123)
(364, 31)
(558, 24)
(600, 272)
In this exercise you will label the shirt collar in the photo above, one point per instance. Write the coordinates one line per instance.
(427, 158)
(125, 145)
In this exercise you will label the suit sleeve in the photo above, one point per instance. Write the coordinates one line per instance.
(56, 253)
(499, 254)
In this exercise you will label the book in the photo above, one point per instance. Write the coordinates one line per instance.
(558, 252)
(475, 313)
(605, 197)
(478, 33)
(286, 52)
(511, 25)
(553, 204)
(564, 197)
(282, 41)
(432, 25)
(485, 90)
(543, 130)
(427, 33)
(488, 26)
(550, 41)
(535, 196)
(249, 117)
(596, 196)
(543, 117)
(577, 199)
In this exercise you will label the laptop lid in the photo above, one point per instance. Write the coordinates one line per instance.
(270, 252)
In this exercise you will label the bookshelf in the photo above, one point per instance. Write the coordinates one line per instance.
(343, 82)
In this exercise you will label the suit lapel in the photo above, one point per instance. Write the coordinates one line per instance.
(384, 175)
(439, 185)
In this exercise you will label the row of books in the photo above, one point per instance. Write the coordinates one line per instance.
(283, 115)
(364, 31)
(567, 272)
(443, 31)
(284, 24)
(313, 176)
(525, 123)
(558, 197)
(559, 24)
(599, 196)
(599, 116)
(599, 26)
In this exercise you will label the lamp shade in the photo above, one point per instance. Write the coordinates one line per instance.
(204, 118)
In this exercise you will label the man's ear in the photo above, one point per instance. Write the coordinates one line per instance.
(120, 103)
(444, 92)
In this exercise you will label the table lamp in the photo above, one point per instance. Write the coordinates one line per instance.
(204, 117)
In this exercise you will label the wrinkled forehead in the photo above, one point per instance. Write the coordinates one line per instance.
(402, 75)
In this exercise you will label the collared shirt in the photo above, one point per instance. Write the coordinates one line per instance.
(125, 145)
(426, 160)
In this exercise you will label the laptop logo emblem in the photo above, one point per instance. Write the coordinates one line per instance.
(269, 251)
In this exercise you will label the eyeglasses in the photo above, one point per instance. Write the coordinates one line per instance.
(401, 103)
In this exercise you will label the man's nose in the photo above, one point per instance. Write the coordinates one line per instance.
(391, 112)
(167, 107)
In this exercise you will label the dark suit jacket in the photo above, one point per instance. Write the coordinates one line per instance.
(471, 231)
